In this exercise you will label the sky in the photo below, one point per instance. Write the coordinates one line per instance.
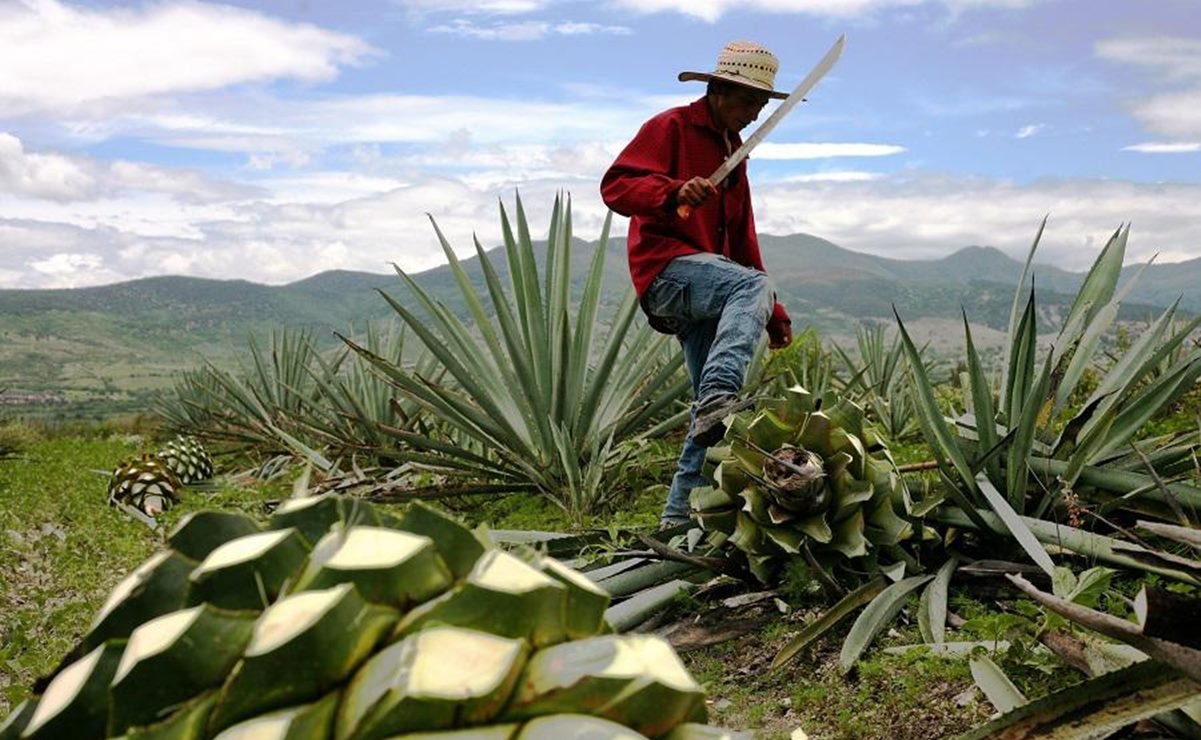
(273, 140)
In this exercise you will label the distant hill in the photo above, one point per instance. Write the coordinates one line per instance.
(122, 340)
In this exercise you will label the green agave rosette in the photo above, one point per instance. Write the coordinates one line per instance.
(172, 659)
(503, 595)
(804, 473)
(439, 678)
(248, 572)
(385, 565)
(75, 703)
(305, 722)
(154, 588)
(200, 532)
(575, 727)
(635, 680)
(301, 647)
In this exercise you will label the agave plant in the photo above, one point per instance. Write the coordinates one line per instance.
(878, 381)
(805, 475)
(296, 399)
(338, 620)
(540, 398)
(1022, 454)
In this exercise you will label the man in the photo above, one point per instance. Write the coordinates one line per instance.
(699, 275)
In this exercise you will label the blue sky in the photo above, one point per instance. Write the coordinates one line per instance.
(273, 140)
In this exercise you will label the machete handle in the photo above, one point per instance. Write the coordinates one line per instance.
(683, 211)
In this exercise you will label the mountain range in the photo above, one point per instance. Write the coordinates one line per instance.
(121, 340)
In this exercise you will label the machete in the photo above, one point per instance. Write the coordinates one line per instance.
(815, 75)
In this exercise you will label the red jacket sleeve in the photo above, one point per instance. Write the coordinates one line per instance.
(641, 180)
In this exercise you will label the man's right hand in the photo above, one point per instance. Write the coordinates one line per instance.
(695, 192)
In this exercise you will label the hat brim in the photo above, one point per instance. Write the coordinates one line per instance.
(706, 76)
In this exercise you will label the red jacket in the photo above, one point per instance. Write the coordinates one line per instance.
(670, 149)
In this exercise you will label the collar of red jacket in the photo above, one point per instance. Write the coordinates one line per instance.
(699, 114)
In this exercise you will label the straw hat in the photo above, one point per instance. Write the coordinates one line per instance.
(743, 63)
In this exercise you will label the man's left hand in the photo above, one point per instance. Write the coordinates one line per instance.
(779, 334)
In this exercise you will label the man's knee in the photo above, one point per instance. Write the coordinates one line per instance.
(759, 287)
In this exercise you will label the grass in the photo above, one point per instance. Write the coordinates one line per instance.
(62, 548)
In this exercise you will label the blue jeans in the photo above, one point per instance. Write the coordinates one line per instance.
(718, 310)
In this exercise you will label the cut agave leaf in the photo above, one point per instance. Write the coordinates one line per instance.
(11, 727)
(442, 677)
(695, 731)
(294, 723)
(575, 727)
(201, 532)
(187, 722)
(502, 595)
(459, 548)
(299, 650)
(249, 572)
(385, 565)
(584, 603)
(490, 732)
(637, 680)
(313, 516)
(154, 588)
(76, 701)
(174, 658)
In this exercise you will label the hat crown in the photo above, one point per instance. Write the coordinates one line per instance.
(747, 63)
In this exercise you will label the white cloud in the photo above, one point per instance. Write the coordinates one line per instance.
(481, 7)
(65, 263)
(816, 150)
(1176, 60)
(62, 178)
(49, 176)
(526, 30)
(923, 216)
(1164, 147)
(841, 176)
(712, 10)
(56, 55)
(1025, 132)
